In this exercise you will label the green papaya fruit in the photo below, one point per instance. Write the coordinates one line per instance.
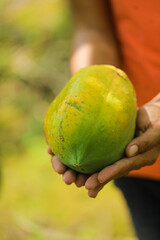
(92, 120)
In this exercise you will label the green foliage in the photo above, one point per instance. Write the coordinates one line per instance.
(34, 58)
(35, 40)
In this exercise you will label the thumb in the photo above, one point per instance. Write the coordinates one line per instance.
(144, 142)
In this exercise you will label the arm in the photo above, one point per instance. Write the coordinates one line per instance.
(94, 39)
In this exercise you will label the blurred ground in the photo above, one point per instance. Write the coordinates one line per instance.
(35, 40)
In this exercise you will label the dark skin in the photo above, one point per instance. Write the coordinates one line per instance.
(95, 43)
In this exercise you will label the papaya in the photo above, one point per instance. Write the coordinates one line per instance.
(92, 120)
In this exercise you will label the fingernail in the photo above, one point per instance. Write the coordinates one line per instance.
(133, 150)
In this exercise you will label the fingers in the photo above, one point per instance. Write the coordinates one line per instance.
(81, 180)
(50, 151)
(58, 166)
(114, 170)
(144, 142)
(69, 177)
(93, 192)
(124, 166)
(92, 182)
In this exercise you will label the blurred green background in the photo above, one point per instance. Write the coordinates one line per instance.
(35, 204)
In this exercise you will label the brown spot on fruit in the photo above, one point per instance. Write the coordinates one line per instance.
(61, 138)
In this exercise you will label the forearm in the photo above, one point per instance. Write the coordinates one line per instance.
(94, 39)
(92, 47)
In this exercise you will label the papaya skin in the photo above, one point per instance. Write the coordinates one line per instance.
(92, 120)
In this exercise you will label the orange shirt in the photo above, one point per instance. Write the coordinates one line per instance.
(138, 28)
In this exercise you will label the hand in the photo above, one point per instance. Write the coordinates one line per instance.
(141, 151)
(69, 176)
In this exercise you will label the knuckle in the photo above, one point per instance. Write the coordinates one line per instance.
(143, 146)
(124, 165)
(138, 162)
(131, 166)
